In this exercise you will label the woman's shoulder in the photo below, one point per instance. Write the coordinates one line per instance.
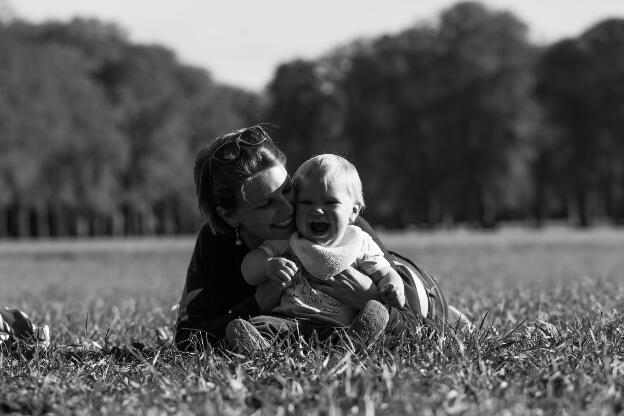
(219, 244)
(214, 256)
(205, 237)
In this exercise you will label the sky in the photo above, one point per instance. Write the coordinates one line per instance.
(240, 42)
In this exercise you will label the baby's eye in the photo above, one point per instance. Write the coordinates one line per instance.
(332, 202)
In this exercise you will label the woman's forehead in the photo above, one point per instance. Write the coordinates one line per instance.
(264, 184)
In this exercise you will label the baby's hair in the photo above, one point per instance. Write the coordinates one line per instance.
(334, 168)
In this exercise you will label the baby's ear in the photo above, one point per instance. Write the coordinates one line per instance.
(356, 211)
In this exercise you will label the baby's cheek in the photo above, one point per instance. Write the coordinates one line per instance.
(300, 219)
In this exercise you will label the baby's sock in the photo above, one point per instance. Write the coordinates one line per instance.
(371, 321)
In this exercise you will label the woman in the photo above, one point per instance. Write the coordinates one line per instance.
(246, 196)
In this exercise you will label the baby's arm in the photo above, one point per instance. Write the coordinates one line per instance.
(265, 262)
(252, 267)
(388, 281)
(390, 286)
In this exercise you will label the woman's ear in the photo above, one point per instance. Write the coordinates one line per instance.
(229, 216)
(356, 211)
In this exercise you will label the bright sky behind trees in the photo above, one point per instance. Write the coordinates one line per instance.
(241, 41)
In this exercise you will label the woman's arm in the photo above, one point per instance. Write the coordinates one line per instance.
(349, 287)
(355, 289)
(196, 331)
(215, 293)
(197, 319)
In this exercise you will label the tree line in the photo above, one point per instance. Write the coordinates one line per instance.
(460, 121)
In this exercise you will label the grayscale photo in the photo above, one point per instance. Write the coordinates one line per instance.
(311, 208)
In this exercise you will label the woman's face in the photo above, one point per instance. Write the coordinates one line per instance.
(265, 207)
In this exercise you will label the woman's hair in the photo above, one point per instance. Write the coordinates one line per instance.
(218, 183)
(334, 168)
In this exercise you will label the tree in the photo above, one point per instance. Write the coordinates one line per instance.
(303, 107)
(164, 111)
(97, 135)
(580, 88)
(60, 144)
(386, 94)
(605, 93)
(484, 66)
(446, 104)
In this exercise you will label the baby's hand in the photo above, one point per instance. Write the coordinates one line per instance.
(393, 295)
(280, 269)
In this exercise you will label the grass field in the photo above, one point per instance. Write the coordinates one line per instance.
(548, 305)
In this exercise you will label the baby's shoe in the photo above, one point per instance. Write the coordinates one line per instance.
(371, 321)
(244, 338)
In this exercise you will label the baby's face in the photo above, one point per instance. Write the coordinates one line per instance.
(324, 210)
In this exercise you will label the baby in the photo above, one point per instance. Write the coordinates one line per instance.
(329, 199)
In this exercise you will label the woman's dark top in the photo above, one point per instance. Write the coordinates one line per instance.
(215, 292)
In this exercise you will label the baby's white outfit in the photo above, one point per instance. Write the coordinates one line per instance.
(356, 249)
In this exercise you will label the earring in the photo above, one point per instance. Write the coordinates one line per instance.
(238, 242)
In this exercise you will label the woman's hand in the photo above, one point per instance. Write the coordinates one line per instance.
(268, 295)
(350, 287)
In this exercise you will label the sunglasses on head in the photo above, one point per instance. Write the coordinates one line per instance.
(230, 150)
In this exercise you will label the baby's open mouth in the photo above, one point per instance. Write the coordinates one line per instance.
(319, 227)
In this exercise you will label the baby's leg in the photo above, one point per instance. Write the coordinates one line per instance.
(244, 338)
(255, 335)
(370, 322)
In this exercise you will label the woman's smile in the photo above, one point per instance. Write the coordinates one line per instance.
(283, 224)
